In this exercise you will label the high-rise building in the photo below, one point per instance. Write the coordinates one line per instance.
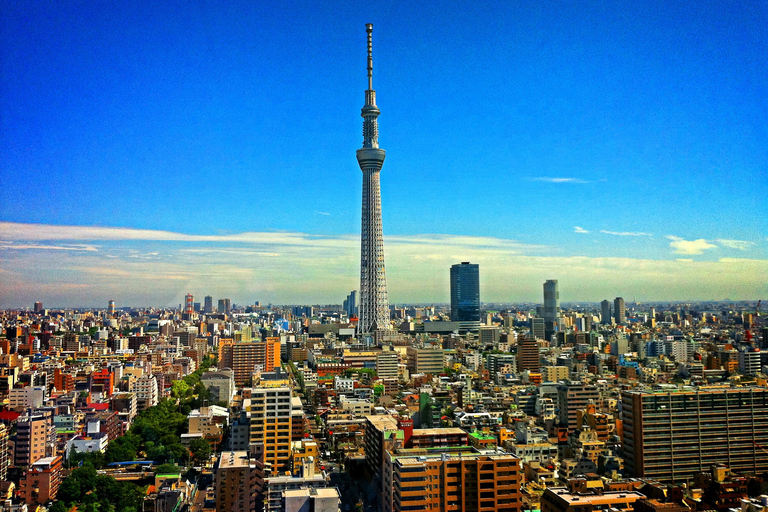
(111, 308)
(669, 436)
(374, 305)
(551, 306)
(465, 292)
(208, 304)
(239, 482)
(528, 355)
(605, 312)
(225, 306)
(38, 307)
(35, 439)
(387, 364)
(271, 424)
(619, 311)
(537, 328)
(350, 304)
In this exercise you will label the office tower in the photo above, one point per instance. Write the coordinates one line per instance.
(551, 306)
(38, 307)
(448, 479)
(572, 398)
(619, 311)
(537, 328)
(465, 292)
(225, 306)
(387, 365)
(350, 304)
(111, 308)
(426, 360)
(528, 355)
(374, 306)
(239, 482)
(605, 312)
(208, 304)
(669, 436)
(271, 423)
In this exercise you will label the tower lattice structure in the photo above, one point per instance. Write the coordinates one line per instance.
(374, 305)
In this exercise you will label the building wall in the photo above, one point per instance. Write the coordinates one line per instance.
(670, 436)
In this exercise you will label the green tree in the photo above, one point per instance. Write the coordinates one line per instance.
(200, 449)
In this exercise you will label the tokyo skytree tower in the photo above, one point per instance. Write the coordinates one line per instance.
(374, 306)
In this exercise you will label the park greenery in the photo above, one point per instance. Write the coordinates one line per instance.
(155, 435)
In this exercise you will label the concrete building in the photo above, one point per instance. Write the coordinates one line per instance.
(605, 312)
(239, 483)
(426, 360)
(619, 311)
(220, 384)
(271, 424)
(41, 482)
(573, 397)
(450, 479)
(35, 439)
(311, 499)
(671, 435)
(528, 355)
(146, 390)
(387, 365)
(588, 495)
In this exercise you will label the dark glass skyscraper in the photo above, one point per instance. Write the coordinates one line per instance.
(465, 292)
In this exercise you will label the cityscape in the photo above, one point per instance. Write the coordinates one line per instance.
(203, 328)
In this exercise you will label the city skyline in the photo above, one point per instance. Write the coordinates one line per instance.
(149, 153)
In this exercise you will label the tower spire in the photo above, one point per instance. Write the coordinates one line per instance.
(374, 305)
(369, 30)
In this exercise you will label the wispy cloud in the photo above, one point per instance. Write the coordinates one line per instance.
(692, 247)
(579, 229)
(290, 268)
(741, 245)
(625, 233)
(546, 179)
(44, 247)
(321, 213)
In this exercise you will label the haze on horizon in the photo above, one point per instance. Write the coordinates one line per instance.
(149, 151)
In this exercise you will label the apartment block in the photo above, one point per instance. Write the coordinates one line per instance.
(271, 424)
(670, 435)
(450, 480)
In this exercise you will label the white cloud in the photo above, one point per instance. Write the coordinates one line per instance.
(579, 229)
(626, 233)
(560, 180)
(43, 247)
(692, 247)
(741, 245)
(322, 213)
(291, 268)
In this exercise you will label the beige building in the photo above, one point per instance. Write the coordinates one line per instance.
(426, 360)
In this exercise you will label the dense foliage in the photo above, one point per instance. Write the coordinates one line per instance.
(155, 435)
(97, 493)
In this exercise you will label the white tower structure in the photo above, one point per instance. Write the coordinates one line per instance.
(373, 305)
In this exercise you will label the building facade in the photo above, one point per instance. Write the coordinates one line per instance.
(465, 292)
(670, 436)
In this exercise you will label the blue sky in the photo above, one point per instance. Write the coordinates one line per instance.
(150, 150)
